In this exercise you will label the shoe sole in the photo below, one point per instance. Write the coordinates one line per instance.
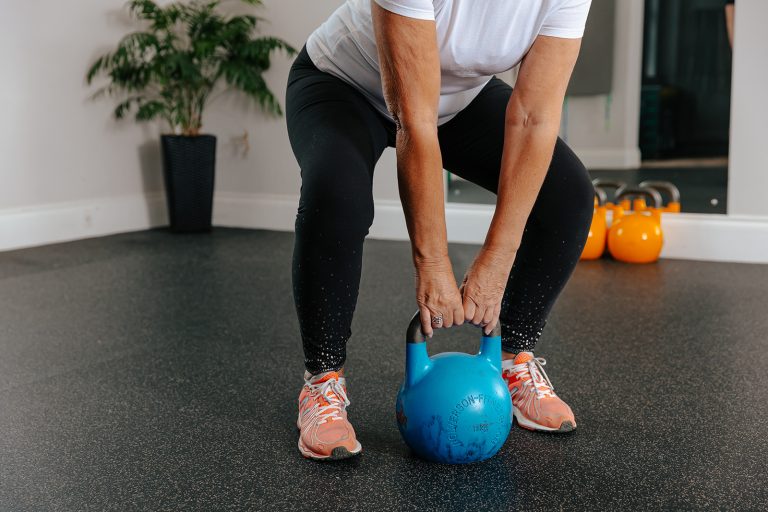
(338, 453)
(566, 426)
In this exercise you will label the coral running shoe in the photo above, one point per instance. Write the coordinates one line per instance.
(325, 433)
(535, 404)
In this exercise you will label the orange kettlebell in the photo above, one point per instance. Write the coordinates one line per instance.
(595, 245)
(636, 236)
(673, 206)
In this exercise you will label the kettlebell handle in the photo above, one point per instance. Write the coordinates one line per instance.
(601, 196)
(414, 334)
(650, 193)
(608, 183)
(601, 184)
(674, 192)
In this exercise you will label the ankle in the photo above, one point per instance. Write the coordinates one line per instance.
(310, 375)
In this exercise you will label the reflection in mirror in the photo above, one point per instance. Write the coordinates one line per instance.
(683, 119)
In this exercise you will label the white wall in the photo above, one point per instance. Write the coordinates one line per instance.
(69, 171)
(604, 130)
(748, 166)
(57, 146)
(270, 166)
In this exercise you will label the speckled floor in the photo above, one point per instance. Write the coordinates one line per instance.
(155, 372)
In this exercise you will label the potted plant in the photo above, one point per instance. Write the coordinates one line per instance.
(169, 70)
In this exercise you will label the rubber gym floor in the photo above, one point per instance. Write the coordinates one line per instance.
(148, 371)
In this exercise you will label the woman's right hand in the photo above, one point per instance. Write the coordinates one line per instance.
(437, 295)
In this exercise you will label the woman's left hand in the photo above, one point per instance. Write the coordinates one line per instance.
(483, 288)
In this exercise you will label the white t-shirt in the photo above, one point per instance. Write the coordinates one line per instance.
(476, 39)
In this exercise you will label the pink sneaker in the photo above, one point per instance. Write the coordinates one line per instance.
(325, 433)
(535, 404)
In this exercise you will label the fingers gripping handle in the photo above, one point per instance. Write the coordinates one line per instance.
(414, 334)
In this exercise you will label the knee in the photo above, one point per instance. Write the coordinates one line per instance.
(577, 194)
(567, 196)
(583, 200)
(334, 206)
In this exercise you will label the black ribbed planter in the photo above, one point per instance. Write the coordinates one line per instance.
(189, 164)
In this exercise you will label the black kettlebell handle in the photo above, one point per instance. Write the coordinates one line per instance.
(414, 334)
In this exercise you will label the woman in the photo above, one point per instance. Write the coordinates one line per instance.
(418, 75)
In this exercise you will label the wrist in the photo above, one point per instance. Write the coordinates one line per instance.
(435, 261)
(497, 257)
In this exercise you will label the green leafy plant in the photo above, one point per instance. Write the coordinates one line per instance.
(169, 70)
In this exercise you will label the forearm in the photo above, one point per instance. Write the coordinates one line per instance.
(528, 147)
(419, 174)
(532, 120)
(410, 80)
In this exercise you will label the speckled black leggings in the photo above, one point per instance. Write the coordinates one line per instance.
(337, 137)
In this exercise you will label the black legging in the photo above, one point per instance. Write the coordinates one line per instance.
(338, 136)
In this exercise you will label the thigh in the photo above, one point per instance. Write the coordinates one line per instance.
(336, 135)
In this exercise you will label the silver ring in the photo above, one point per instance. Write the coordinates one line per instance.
(437, 320)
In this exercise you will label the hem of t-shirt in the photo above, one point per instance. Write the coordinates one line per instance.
(475, 92)
(565, 34)
(313, 50)
(404, 10)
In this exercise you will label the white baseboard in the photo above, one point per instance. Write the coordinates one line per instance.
(61, 222)
(708, 237)
(276, 212)
(687, 236)
(254, 211)
(596, 158)
(703, 237)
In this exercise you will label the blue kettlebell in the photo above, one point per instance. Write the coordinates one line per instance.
(453, 408)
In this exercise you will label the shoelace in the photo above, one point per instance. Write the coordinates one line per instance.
(335, 396)
(538, 381)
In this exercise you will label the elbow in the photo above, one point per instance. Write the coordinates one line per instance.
(533, 125)
(413, 118)
(533, 120)
(414, 124)
(536, 116)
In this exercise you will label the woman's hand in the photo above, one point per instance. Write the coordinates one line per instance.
(483, 288)
(437, 295)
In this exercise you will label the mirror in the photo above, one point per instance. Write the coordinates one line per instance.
(680, 71)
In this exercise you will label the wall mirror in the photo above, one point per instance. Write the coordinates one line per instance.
(653, 106)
